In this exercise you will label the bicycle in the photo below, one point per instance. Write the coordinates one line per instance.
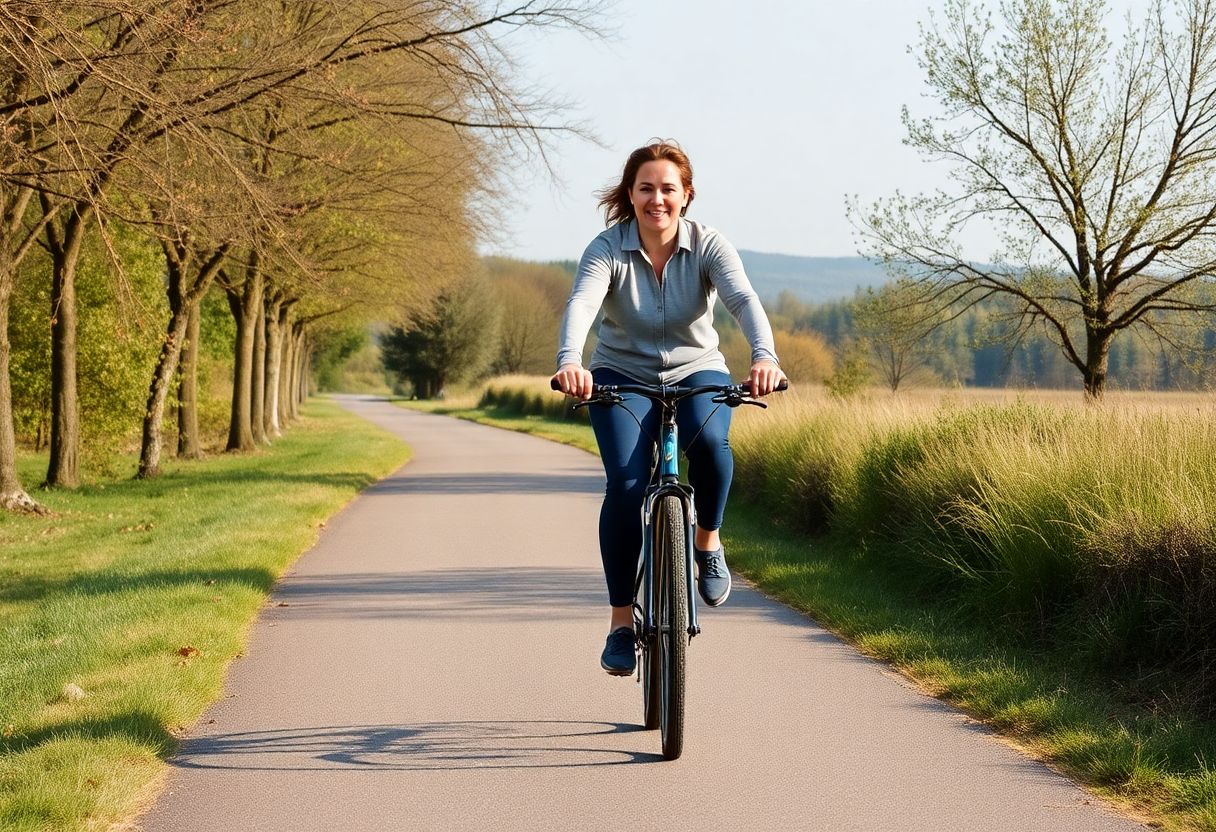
(664, 608)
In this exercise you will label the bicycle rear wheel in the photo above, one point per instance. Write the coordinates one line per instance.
(672, 621)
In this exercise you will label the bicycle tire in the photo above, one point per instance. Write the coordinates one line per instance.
(672, 641)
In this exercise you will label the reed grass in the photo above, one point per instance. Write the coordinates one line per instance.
(1061, 521)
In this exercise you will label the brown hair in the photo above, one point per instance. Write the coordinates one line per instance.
(614, 199)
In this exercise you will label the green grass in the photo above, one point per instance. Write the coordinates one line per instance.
(110, 592)
(881, 486)
(536, 410)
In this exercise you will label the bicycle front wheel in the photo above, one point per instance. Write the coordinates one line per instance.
(672, 621)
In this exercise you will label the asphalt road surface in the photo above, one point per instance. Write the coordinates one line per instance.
(436, 666)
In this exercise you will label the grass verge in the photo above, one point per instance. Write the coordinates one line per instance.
(120, 613)
(566, 432)
(1152, 761)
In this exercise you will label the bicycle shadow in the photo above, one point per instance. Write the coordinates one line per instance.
(434, 746)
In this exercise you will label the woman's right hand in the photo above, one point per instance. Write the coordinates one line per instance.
(574, 381)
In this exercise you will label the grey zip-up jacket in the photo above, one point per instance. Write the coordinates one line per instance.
(660, 333)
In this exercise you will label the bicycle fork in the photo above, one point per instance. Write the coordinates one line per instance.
(669, 484)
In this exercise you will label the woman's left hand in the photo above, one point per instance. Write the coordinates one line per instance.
(764, 377)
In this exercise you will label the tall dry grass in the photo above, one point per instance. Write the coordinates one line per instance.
(1061, 521)
(527, 396)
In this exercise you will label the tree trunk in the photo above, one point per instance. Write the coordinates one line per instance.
(166, 366)
(187, 392)
(246, 306)
(64, 468)
(12, 496)
(257, 389)
(293, 400)
(305, 370)
(1097, 359)
(285, 370)
(274, 363)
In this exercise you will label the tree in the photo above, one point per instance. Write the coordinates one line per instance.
(805, 356)
(450, 341)
(1096, 164)
(531, 297)
(895, 326)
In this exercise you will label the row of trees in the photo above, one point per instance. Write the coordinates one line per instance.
(316, 159)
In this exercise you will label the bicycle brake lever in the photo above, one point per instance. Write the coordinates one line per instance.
(603, 398)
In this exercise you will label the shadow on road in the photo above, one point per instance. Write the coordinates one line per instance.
(499, 593)
(407, 483)
(433, 746)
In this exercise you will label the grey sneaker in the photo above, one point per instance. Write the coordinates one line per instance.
(713, 578)
(619, 657)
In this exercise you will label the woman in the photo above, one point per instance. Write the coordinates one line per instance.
(656, 276)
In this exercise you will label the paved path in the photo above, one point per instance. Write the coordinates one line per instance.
(436, 667)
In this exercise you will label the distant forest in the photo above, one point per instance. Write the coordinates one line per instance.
(981, 348)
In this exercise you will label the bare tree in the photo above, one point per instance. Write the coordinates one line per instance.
(1096, 164)
(896, 326)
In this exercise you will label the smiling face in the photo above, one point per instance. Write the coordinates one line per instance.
(658, 196)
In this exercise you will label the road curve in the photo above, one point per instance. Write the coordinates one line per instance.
(435, 667)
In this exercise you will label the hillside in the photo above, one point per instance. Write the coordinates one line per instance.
(811, 279)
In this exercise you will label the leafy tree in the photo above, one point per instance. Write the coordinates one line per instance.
(1095, 162)
(333, 349)
(118, 344)
(805, 356)
(450, 341)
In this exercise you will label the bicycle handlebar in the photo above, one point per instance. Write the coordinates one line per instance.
(673, 392)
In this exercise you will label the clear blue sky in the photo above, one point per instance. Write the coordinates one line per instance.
(784, 106)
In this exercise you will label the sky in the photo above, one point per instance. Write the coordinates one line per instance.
(784, 107)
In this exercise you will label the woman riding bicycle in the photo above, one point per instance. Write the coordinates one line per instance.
(656, 276)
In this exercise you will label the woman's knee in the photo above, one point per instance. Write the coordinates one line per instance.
(625, 488)
(712, 445)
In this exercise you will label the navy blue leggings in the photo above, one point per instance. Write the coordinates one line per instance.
(627, 451)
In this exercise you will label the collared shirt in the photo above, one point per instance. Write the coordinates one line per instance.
(660, 332)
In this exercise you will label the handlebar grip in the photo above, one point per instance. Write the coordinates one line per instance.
(553, 385)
